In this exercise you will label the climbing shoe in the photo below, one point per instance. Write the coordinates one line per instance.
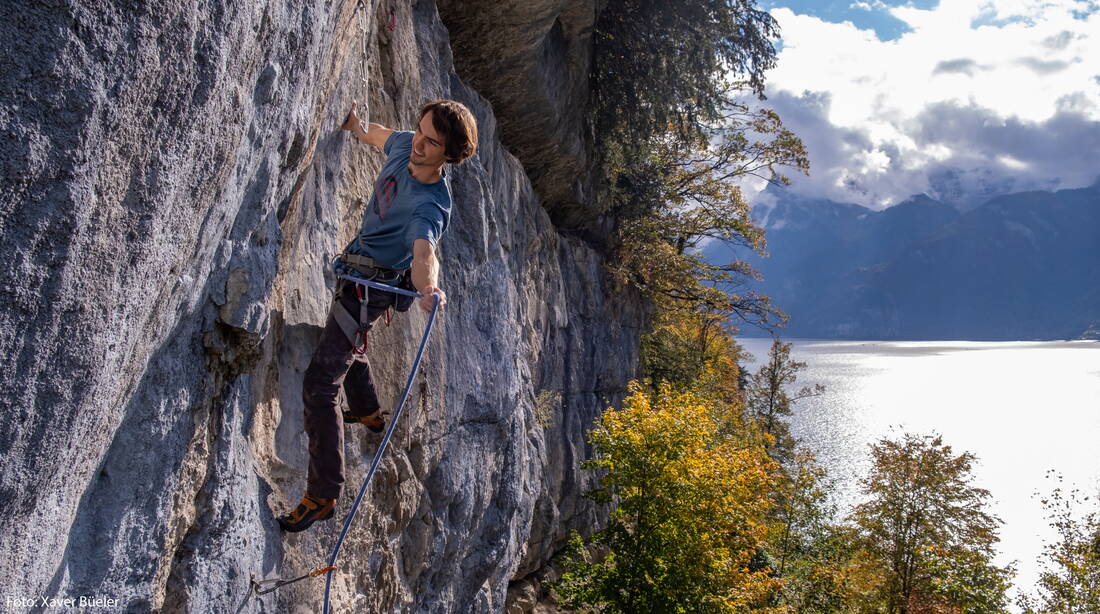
(375, 422)
(309, 511)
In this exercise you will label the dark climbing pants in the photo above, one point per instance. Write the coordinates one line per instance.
(333, 365)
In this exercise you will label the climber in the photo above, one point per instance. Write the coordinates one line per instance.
(407, 213)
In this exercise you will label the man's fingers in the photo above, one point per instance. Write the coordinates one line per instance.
(427, 301)
(350, 120)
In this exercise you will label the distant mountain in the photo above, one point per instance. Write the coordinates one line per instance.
(968, 189)
(1020, 266)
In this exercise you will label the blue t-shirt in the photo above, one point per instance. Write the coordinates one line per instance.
(401, 209)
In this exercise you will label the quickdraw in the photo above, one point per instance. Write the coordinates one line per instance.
(362, 340)
(262, 587)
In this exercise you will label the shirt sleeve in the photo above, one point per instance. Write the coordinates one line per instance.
(428, 222)
(400, 139)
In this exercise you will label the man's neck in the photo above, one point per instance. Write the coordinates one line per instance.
(425, 174)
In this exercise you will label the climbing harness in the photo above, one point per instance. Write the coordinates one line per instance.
(356, 326)
(266, 586)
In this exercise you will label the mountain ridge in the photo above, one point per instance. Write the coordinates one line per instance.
(1017, 267)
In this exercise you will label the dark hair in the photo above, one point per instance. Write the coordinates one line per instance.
(456, 125)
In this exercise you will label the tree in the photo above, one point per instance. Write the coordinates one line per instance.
(964, 581)
(769, 402)
(675, 138)
(808, 551)
(678, 62)
(928, 529)
(693, 351)
(690, 516)
(681, 193)
(1070, 580)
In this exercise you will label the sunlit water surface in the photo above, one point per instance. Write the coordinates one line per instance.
(1024, 408)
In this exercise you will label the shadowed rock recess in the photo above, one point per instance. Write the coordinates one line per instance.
(174, 187)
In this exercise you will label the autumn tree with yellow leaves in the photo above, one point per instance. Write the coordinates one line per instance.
(690, 518)
(928, 530)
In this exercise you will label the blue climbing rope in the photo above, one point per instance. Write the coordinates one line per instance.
(393, 421)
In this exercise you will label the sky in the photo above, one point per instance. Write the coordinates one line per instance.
(957, 99)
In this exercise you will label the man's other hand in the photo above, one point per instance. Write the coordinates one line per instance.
(428, 301)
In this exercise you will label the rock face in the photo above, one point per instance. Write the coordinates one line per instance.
(174, 187)
(531, 59)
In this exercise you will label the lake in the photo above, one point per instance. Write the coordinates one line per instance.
(1023, 408)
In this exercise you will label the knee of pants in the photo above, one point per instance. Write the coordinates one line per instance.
(318, 391)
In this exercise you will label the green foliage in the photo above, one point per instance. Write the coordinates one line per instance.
(690, 515)
(693, 351)
(808, 551)
(1070, 581)
(927, 529)
(665, 78)
(669, 63)
(681, 192)
(963, 580)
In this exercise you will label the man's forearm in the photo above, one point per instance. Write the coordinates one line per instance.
(425, 270)
(425, 275)
(375, 134)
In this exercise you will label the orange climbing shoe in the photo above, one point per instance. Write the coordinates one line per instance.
(309, 511)
(375, 422)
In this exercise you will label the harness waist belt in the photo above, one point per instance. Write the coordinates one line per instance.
(358, 262)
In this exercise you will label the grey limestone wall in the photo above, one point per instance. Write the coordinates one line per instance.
(173, 187)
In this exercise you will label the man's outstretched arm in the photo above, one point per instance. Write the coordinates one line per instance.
(425, 274)
(375, 134)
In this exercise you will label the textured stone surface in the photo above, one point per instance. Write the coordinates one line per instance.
(174, 185)
(531, 59)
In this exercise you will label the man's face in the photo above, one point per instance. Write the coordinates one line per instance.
(428, 144)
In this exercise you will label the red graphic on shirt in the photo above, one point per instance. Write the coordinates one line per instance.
(384, 194)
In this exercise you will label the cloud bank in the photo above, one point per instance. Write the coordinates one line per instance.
(976, 99)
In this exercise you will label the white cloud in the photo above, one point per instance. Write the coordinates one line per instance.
(877, 5)
(868, 108)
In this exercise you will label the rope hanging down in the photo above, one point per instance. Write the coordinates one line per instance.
(261, 587)
(393, 422)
